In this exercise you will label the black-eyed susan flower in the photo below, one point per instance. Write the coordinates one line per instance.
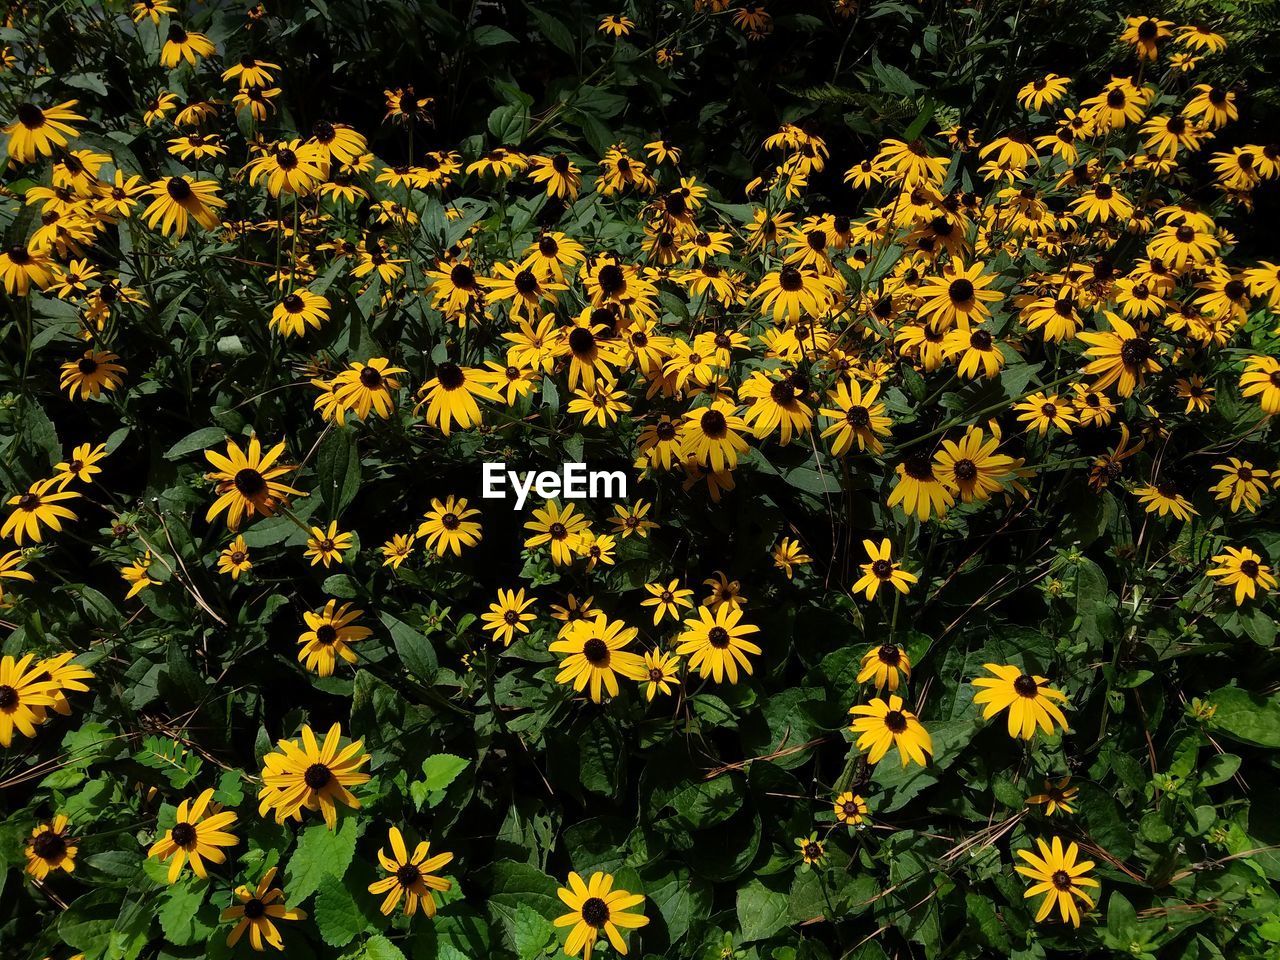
(851, 809)
(716, 644)
(51, 847)
(1145, 34)
(368, 387)
(919, 490)
(257, 912)
(595, 906)
(1261, 379)
(788, 555)
(23, 266)
(813, 852)
(958, 297)
(509, 616)
(178, 199)
(1242, 484)
(449, 397)
(594, 656)
(199, 833)
(1165, 497)
(82, 465)
(662, 673)
(41, 506)
(1243, 570)
(1041, 411)
(881, 725)
(724, 592)
(136, 574)
(1056, 798)
(25, 693)
(632, 519)
(327, 545)
(247, 483)
(712, 435)
(397, 550)
(887, 664)
(234, 558)
(667, 599)
(412, 879)
(249, 71)
(617, 25)
(1122, 356)
(1059, 877)
(1030, 700)
(1043, 91)
(556, 528)
(447, 527)
(880, 570)
(972, 468)
(311, 776)
(299, 310)
(36, 132)
(329, 635)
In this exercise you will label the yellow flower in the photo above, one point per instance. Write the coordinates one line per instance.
(1059, 877)
(596, 906)
(509, 615)
(326, 546)
(411, 877)
(882, 725)
(256, 912)
(312, 776)
(135, 574)
(1029, 699)
(195, 836)
(1241, 568)
(715, 644)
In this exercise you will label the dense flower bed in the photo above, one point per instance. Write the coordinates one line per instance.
(938, 615)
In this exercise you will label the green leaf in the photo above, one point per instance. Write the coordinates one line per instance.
(337, 914)
(761, 912)
(414, 648)
(438, 772)
(337, 471)
(379, 947)
(181, 917)
(531, 932)
(1246, 717)
(320, 853)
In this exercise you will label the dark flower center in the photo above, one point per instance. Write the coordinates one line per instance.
(980, 340)
(449, 521)
(183, 834)
(286, 159)
(326, 635)
(965, 470)
(918, 466)
(1217, 96)
(612, 280)
(1249, 568)
(177, 34)
(30, 116)
(87, 365)
(178, 189)
(581, 341)
(28, 501)
(1234, 289)
(883, 570)
(526, 282)
(558, 531)
(408, 875)
(8, 697)
(666, 430)
(1115, 99)
(1103, 191)
(49, 845)
(450, 376)
(790, 279)
(783, 393)
(548, 247)
(254, 908)
(960, 291)
(1147, 30)
(850, 809)
(895, 721)
(858, 417)
(370, 377)
(1026, 686)
(1176, 125)
(676, 205)
(655, 675)
(250, 482)
(1062, 880)
(595, 912)
(293, 303)
(714, 424)
(1135, 351)
(718, 637)
(463, 276)
(596, 652)
(317, 776)
(323, 131)
(812, 850)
